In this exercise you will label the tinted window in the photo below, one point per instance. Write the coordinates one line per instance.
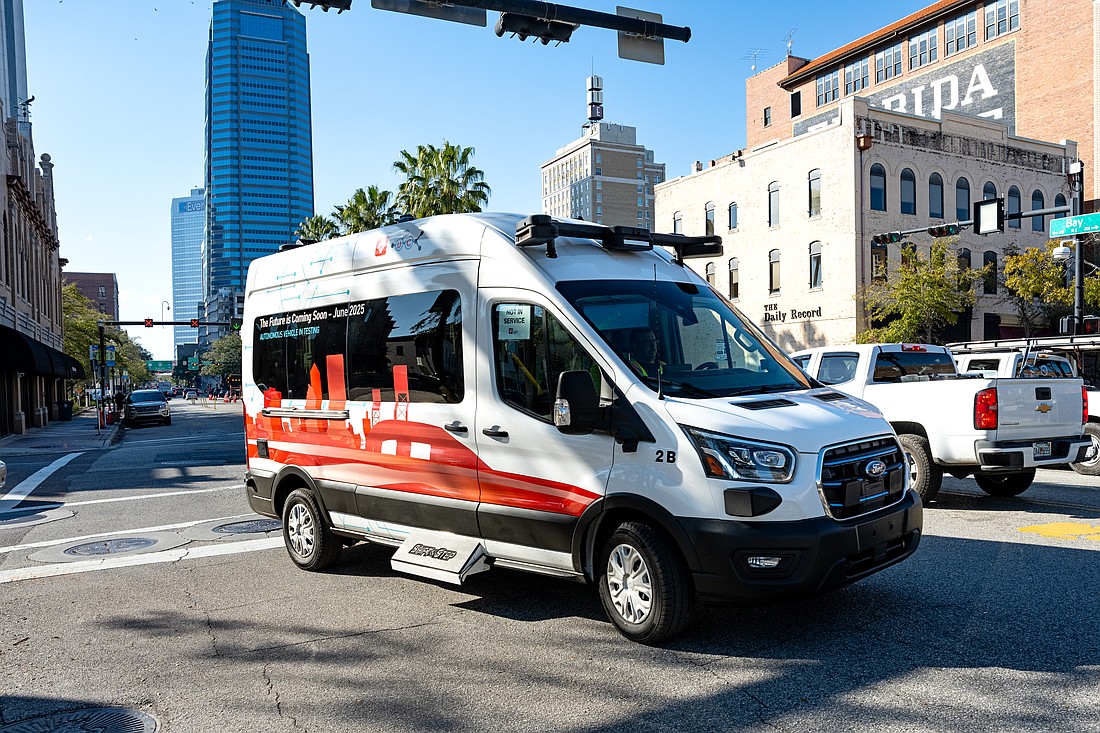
(146, 395)
(837, 368)
(891, 366)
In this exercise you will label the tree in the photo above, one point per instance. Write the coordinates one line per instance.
(80, 322)
(365, 210)
(440, 181)
(923, 298)
(317, 229)
(224, 356)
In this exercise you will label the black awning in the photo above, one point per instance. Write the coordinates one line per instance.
(60, 367)
(76, 370)
(19, 352)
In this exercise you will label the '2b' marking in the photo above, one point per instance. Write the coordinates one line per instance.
(666, 456)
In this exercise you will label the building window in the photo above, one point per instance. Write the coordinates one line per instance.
(961, 33)
(878, 188)
(767, 117)
(733, 216)
(815, 192)
(828, 86)
(815, 265)
(989, 191)
(962, 199)
(709, 214)
(710, 272)
(923, 48)
(677, 223)
(888, 63)
(1001, 17)
(1038, 201)
(1059, 200)
(773, 272)
(964, 259)
(856, 76)
(735, 279)
(103, 291)
(878, 261)
(796, 104)
(908, 192)
(989, 282)
(935, 196)
(773, 204)
(1013, 207)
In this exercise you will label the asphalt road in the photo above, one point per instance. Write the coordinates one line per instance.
(994, 625)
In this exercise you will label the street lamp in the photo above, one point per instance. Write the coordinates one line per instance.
(163, 305)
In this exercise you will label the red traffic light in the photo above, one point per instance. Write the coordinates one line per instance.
(148, 322)
(194, 323)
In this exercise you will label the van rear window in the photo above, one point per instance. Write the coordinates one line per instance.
(891, 366)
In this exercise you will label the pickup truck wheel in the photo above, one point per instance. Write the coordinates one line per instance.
(1005, 484)
(1090, 467)
(309, 541)
(925, 477)
(643, 585)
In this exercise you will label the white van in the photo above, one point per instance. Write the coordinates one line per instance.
(482, 390)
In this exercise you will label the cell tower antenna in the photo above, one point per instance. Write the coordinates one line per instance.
(755, 54)
(790, 40)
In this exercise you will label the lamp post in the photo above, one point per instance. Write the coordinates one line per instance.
(163, 305)
(1075, 247)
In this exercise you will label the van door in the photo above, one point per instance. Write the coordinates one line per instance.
(535, 480)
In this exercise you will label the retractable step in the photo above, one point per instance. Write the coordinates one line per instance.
(440, 556)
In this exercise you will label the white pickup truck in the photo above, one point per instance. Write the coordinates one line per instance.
(1009, 362)
(998, 430)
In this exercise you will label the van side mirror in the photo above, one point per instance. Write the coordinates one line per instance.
(577, 407)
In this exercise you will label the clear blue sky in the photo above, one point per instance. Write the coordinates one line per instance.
(119, 89)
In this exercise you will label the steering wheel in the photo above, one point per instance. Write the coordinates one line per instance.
(707, 365)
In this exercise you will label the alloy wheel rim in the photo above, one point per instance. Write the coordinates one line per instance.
(300, 530)
(629, 582)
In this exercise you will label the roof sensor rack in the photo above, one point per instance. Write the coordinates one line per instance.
(543, 229)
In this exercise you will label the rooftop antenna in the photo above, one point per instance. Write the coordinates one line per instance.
(755, 54)
(790, 40)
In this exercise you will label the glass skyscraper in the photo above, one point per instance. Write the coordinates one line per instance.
(259, 141)
(188, 220)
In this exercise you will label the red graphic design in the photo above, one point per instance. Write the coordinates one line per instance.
(380, 246)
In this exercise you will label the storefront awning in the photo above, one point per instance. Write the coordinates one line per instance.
(21, 353)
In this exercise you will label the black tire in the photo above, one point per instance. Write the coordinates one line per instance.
(1090, 467)
(309, 541)
(925, 477)
(1005, 484)
(167, 421)
(643, 584)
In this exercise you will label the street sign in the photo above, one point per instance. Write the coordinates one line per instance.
(159, 366)
(1069, 226)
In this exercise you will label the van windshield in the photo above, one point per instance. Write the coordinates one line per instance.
(683, 337)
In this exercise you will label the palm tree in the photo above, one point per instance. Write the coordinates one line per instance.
(440, 181)
(366, 210)
(316, 229)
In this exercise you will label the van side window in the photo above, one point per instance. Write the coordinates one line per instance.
(531, 349)
(837, 368)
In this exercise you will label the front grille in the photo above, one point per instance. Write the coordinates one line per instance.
(151, 408)
(849, 489)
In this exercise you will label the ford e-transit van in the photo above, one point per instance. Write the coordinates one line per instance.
(487, 390)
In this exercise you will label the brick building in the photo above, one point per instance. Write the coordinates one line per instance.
(99, 287)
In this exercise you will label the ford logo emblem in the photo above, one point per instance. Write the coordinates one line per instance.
(874, 468)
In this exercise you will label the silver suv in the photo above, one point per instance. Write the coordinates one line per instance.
(147, 405)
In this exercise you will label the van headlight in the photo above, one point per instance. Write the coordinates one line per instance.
(729, 457)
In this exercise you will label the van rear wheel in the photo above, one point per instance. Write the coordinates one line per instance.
(643, 584)
(309, 541)
(1005, 484)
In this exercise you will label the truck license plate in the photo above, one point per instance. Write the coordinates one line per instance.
(1041, 450)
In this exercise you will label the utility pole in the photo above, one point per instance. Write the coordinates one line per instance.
(102, 373)
(1077, 189)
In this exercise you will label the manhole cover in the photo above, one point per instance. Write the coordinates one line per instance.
(103, 720)
(109, 547)
(249, 527)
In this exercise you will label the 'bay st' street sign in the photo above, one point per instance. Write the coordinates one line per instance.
(1069, 226)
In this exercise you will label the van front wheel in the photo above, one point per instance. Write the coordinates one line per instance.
(643, 584)
(309, 541)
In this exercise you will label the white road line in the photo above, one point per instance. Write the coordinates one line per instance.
(25, 487)
(205, 437)
(112, 500)
(179, 553)
(143, 530)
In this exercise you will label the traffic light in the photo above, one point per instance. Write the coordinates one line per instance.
(235, 324)
(194, 323)
(1090, 325)
(887, 238)
(1065, 325)
(945, 230)
(148, 322)
(525, 25)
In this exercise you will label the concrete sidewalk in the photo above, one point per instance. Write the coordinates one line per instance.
(77, 434)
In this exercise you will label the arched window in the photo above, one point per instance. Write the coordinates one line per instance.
(773, 204)
(733, 216)
(815, 265)
(962, 199)
(1038, 223)
(935, 196)
(710, 218)
(735, 279)
(964, 259)
(710, 272)
(1012, 206)
(815, 192)
(908, 192)
(989, 191)
(878, 188)
(1059, 200)
(677, 223)
(773, 272)
(989, 284)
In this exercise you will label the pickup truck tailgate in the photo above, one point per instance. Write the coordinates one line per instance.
(1038, 408)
